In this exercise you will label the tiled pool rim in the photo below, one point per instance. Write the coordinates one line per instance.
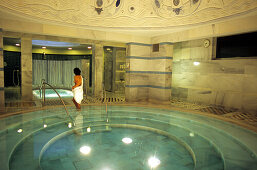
(153, 110)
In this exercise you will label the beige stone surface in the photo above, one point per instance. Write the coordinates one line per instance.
(139, 50)
(165, 50)
(139, 65)
(159, 95)
(249, 102)
(26, 68)
(137, 79)
(98, 70)
(251, 67)
(85, 63)
(249, 84)
(226, 82)
(227, 27)
(201, 96)
(136, 94)
(162, 80)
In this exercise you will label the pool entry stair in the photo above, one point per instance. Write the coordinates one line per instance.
(212, 144)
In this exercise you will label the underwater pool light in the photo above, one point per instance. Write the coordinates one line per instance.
(127, 140)
(106, 169)
(85, 150)
(191, 134)
(69, 125)
(45, 125)
(88, 129)
(19, 130)
(153, 162)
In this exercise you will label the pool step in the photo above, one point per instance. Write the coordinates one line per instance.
(84, 126)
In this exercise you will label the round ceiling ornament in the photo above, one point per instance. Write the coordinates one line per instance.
(176, 2)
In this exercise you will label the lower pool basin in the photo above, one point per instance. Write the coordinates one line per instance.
(125, 138)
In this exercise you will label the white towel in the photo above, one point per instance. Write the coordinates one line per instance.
(78, 92)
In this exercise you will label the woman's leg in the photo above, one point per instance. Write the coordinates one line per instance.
(76, 104)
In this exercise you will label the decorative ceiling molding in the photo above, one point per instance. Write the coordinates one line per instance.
(128, 14)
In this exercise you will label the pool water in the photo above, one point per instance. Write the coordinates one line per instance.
(50, 93)
(44, 140)
(108, 151)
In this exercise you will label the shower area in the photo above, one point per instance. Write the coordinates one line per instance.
(114, 70)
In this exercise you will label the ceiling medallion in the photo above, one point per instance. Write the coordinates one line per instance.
(157, 3)
(117, 3)
(132, 9)
(99, 10)
(99, 3)
(176, 2)
(195, 1)
(177, 10)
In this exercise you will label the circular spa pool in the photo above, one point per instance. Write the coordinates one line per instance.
(50, 93)
(126, 138)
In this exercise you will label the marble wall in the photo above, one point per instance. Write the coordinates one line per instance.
(97, 71)
(148, 76)
(85, 64)
(26, 68)
(226, 82)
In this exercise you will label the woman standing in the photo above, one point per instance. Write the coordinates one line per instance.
(77, 89)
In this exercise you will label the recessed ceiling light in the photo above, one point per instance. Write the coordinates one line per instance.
(196, 63)
(44, 47)
(69, 48)
(17, 45)
(89, 47)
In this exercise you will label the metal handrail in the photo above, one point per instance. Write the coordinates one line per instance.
(43, 97)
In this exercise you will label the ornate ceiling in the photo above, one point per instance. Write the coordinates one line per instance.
(128, 14)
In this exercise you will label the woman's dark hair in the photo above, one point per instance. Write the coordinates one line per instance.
(77, 71)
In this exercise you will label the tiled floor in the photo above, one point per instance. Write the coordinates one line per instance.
(234, 114)
(249, 119)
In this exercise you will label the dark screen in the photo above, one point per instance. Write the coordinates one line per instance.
(242, 45)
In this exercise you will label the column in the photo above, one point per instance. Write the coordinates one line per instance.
(137, 72)
(98, 67)
(2, 98)
(26, 68)
(85, 74)
(161, 77)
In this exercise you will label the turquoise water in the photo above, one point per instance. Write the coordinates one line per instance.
(179, 140)
(108, 151)
(50, 93)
